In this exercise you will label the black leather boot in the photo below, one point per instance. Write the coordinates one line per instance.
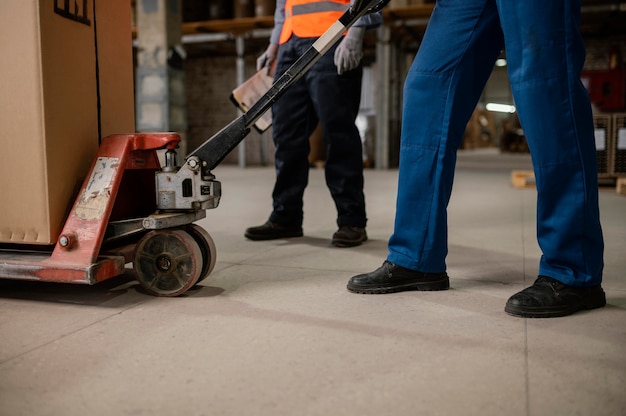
(349, 236)
(393, 278)
(272, 231)
(549, 298)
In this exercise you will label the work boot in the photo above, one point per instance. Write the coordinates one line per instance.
(349, 236)
(272, 231)
(549, 298)
(393, 278)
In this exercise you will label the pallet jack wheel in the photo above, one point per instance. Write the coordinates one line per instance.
(168, 262)
(207, 246)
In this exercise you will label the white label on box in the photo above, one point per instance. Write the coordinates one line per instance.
(621, 139)
(600, 139)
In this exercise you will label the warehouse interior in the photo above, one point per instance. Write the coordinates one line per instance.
(272, 329)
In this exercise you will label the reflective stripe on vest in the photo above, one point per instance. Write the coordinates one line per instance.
(310, 18)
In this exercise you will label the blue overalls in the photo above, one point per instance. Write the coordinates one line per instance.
(545, 54)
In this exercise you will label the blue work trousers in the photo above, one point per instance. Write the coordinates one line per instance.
(545, 55)
(333, 100)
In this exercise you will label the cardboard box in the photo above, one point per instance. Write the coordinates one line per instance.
(480, 130)
(66, 82)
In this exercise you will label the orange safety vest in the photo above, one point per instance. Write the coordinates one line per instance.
(310, 18)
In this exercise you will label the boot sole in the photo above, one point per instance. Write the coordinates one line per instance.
(259, 237)
(348, 243)
(423, 287)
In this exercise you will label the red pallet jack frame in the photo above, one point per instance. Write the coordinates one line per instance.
(130, 209)
(92, 247)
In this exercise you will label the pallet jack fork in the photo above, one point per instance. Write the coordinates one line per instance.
(130, 209)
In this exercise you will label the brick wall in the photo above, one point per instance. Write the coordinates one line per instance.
(209, 82)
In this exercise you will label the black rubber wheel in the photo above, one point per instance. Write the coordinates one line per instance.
(168, 262)
(207, 246)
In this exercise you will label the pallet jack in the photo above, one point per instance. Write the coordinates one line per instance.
(130, 209)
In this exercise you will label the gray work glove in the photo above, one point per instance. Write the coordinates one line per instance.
(350, 51)
(267, 59)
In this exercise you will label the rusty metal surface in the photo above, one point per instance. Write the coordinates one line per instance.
(37, 267)
(76, 258)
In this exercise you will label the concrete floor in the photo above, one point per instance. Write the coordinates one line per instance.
(273, 331)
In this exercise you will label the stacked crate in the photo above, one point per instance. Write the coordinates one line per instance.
(618, 145)
(603, 133)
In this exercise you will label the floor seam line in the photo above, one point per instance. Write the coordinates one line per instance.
(67, 335)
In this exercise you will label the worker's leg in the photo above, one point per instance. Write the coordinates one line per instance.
(293, 122)
(545, 54)
(441, 90)
(336, 99)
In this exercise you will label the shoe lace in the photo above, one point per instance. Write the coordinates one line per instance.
(389, 266)
(554, 284)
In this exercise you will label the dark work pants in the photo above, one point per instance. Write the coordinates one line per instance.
(333, 100)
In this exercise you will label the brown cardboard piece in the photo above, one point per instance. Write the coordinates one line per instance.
(67, 82)
(249, 92)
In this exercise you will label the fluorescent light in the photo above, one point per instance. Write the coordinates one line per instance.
(501, 62)
(500, 108)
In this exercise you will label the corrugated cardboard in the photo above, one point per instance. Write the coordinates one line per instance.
(247, 94)
(66, 78)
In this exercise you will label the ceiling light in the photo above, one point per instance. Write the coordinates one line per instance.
(501, 62)
(500, 108)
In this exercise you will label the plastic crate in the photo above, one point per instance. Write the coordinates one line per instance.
(603, 134)
(619, 144)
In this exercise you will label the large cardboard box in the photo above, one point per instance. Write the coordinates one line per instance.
(66, 77)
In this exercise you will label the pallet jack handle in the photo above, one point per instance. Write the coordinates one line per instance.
(216, 148)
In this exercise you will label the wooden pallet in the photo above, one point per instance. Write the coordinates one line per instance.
(523, 178)
(620, 186)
